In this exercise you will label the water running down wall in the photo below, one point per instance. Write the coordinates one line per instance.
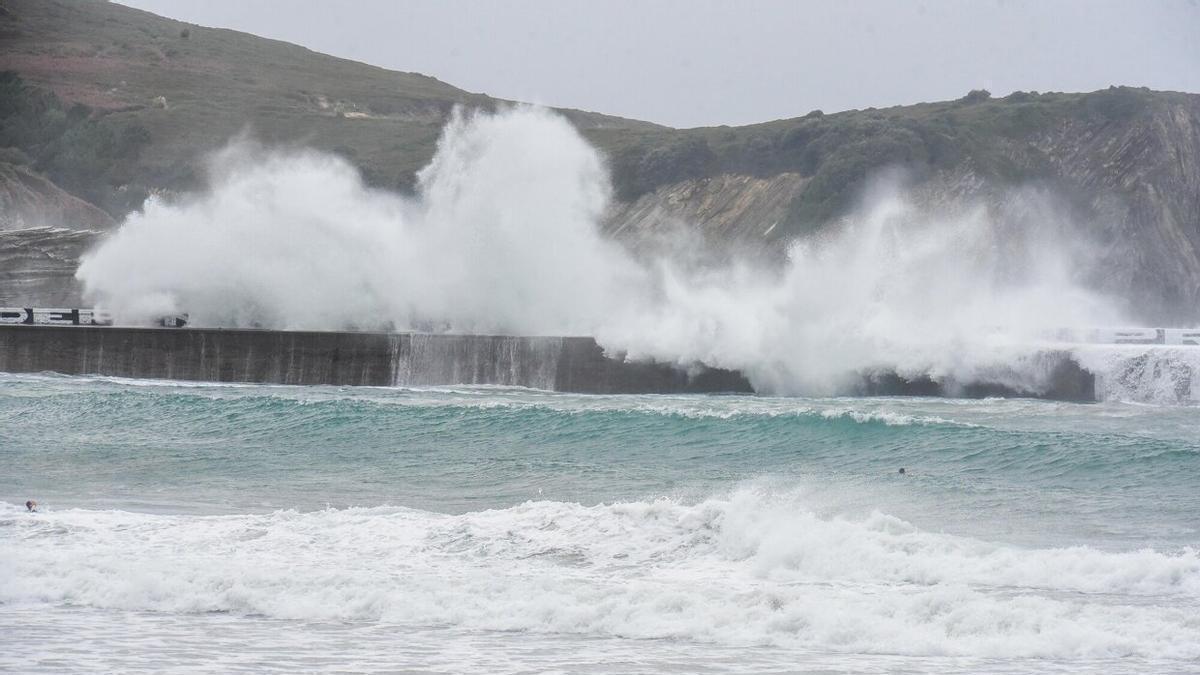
(568, 364)
(574, 364)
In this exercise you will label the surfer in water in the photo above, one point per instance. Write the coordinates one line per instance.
(31, 506)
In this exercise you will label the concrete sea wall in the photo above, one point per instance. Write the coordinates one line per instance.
(571, 364)
(567, 364)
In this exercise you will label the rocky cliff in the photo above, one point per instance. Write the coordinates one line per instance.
(28, 199)
(37, 266)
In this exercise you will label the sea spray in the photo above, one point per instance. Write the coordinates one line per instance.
(503, 235)
(892, 288)
(1143, 373)
(501, 240)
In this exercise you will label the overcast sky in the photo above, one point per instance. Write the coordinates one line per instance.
(702, 62)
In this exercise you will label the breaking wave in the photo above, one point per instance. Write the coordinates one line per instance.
(752, 568)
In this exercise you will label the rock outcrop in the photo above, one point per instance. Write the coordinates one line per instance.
(31, 200)
(729, 212)
(37, 266)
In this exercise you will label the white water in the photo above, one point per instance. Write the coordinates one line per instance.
(501, 240)
(504, 236)
(750, 569)
(1144, 374)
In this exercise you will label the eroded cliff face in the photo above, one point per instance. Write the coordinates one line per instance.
(28, 199)
(37, 266)
(1141, 187)
(43, 231)
(727, 212)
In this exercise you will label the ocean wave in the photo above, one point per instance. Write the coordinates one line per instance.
(1045, 442)
(752, 568)
(496, 398)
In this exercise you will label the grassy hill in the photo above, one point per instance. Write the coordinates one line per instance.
(166, 92)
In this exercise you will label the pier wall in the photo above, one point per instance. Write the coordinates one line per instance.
(567, 364)
(570, 364)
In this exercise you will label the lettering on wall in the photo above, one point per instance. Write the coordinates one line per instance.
(45, 316)
(16, 315)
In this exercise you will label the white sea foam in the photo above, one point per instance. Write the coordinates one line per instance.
(504, 236)
(502, 239)
(753, 568)
(1143, 373)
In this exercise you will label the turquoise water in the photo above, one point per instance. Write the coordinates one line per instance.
(491, 530)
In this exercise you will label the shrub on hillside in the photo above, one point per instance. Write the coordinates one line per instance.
(639, 172)
(86, 156)
(976, 96)
(1116, 103)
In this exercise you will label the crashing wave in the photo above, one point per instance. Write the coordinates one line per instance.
(750, 569)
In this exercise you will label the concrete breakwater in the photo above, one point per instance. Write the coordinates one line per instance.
(569, 364)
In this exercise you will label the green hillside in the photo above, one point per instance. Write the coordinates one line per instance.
(148, 96)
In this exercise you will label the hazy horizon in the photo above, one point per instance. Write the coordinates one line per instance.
(707, 63)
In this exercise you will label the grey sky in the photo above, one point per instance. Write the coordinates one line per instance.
(702, 62)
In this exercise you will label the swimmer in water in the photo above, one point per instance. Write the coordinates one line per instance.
(902, 471)
(31, 506)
